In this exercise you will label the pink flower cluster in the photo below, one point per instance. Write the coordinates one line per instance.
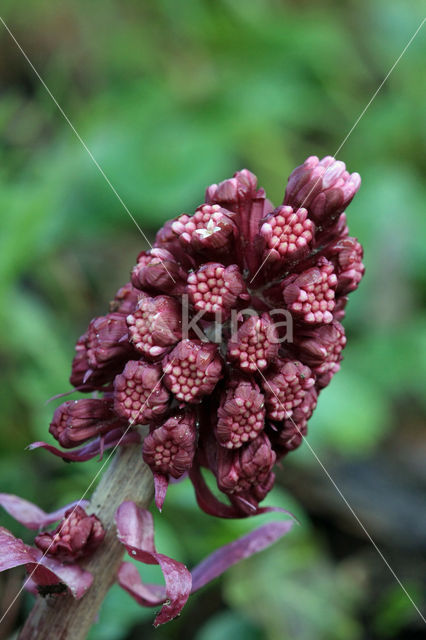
(237, 404)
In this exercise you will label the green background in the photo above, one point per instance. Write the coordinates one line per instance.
(170, 96)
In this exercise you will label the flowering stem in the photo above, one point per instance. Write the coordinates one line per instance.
(63, 617)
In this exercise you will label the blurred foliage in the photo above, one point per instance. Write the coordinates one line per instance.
(170, 97)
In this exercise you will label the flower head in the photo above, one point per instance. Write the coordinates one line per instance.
(194, 345)
(76, 536)
(210, 229)
(215, 289)
(287, 233)
(286, 387)
(139, 394)
(241, 414)
(157, 270)
(170, 448)
(52, 565)
(76, 421)
(310, 296)
(155, 325)
(324, 187)
(191, 348)
(192, 370)
(255, 346)
(245, 474)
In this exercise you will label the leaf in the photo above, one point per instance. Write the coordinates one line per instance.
(94, 448)
(42, 570)
(136, 531)
(29, 514)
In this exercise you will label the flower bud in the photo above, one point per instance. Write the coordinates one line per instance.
(215, 289)
(100, 352)
(192, 370)
(339, 309)
(76, 537)
(346, 254)
(310, 296)
(241, 414)
(125, 300)
(287, 233)
(210, 229)
(139, 393)
(82, 376)
(321, 349)
(155, 326)
(256, 344)
(289, 434)
(241, 186)
(76, 421)
(107, 342)
(285, 389)
(246, 473)
(170, 448)
(158, 271)
(324, 187)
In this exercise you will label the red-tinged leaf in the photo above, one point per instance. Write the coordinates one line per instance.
(13, 551)
(136, 531)
(219, 561)
(94, 448)
(149, 595)
(42, 570)
(161, 483)
(76, 579)
(29, 514)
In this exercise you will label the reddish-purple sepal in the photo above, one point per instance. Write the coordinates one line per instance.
(135, 529)
(30, 515)
(94, 448)
(44, 572)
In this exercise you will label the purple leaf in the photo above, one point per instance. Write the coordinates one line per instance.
(136, 531)
(148, 595)
(151, 595)
(13, 551)
(29, 514)
(42, 570)
(74, 577)
(219, 561)
(94, 448)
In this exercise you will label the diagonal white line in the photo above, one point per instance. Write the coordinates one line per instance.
(345, 501)
(380, 86)
(339, 148)
(80, 139)
(131, 423)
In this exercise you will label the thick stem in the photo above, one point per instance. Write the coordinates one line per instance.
(63, 617)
